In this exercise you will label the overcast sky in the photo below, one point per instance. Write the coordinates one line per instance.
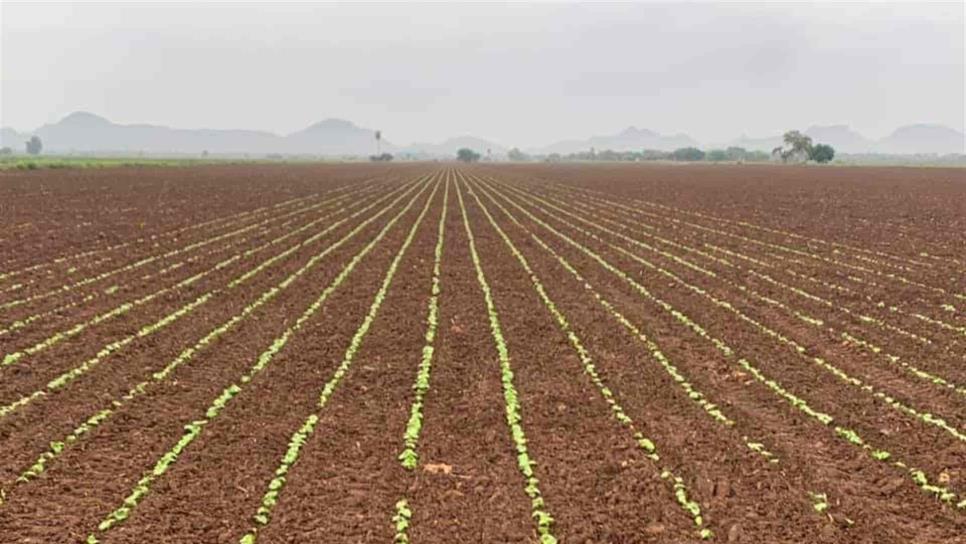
(518, 74)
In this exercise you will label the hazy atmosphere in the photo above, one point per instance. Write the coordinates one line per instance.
(521, 75)
(522, 273)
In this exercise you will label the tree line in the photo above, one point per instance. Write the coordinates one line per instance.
(797, 148)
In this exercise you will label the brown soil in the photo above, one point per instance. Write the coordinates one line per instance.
(891, 235)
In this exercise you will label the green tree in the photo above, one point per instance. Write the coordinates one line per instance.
(516, 155)
(822, 153)
(717, 155)
(687, 154)
(6, 151)
(735, 153)
(757, 156)
(654, 155)
(797, 146)
(34, 145)
(466, 154)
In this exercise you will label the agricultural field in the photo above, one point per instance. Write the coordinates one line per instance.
(439, 353)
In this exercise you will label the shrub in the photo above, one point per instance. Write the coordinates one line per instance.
(467, 155)
(687, 154)
(822, 153)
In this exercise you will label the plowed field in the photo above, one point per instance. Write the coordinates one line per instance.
(431, 353)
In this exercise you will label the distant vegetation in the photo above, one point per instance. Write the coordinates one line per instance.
(684, 154)
(822, 153)
(516, 155)
(688, 154)
(382, 157)
(13, 162)
(34, 146)
(466, 154)
(799, 148)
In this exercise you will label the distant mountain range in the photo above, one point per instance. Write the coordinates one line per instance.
(449, 147)
(629, 139)
(83, 132)
(909, 139)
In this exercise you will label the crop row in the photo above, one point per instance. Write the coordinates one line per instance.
(891, 309)
(836, 289)
(786, 259)
(678, 487)
(87, 281)
(125, 307)
(873, 257)
(188, 354)
(194, 429)
(409, 457)
(150, 278)
(70, 375)
(876, 257)
(796, 313)
(808, 253)
(712, 410)
(26, 283)
(514, 420)
(276, 485)
(850, 436)
(796, 348)
(67, 288)
(852, 339)
(169, 234)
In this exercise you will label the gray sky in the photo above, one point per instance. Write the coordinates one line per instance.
(518, 74)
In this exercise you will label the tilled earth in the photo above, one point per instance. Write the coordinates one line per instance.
(429, 353)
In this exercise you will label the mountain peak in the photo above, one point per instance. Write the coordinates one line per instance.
(841, 137)
(830, 129)
(332, 123)
(634, 132)
(629, 139)
(925, 138)
(925, 127)
(84, 118)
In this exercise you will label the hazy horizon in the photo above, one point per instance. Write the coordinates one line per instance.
(523, 75)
